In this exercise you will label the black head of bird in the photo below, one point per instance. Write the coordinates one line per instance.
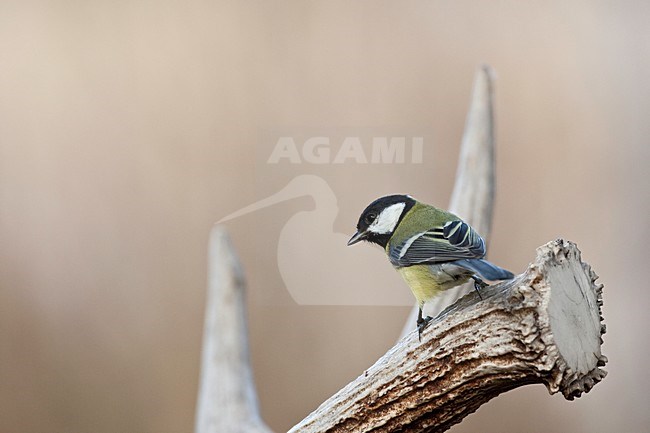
(380, 218)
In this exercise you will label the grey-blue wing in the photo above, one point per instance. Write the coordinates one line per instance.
(485, 269)
(454, 240)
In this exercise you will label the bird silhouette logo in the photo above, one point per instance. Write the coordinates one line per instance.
(314, 262)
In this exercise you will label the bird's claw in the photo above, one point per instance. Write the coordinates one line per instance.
(479, 284)
(422, 323)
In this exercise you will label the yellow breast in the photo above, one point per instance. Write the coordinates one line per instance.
(427, 281)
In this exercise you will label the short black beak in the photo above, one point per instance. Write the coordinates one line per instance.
(358, 237)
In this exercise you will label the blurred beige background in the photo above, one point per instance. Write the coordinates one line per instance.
(128, 128)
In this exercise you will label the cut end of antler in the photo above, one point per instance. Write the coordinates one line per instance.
(573, 319)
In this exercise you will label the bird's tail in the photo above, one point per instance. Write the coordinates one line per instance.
(485, 269)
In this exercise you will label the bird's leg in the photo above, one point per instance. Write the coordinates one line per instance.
(479, 284)
(422, 323)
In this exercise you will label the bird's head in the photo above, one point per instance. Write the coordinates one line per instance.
(379, 220)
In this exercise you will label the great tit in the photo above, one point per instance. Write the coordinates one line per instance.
(433, 250)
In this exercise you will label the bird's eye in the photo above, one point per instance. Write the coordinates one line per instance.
(370, 218)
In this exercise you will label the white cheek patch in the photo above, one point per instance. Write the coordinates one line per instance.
(387, 219)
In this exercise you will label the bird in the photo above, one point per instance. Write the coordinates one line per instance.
(432, 249)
